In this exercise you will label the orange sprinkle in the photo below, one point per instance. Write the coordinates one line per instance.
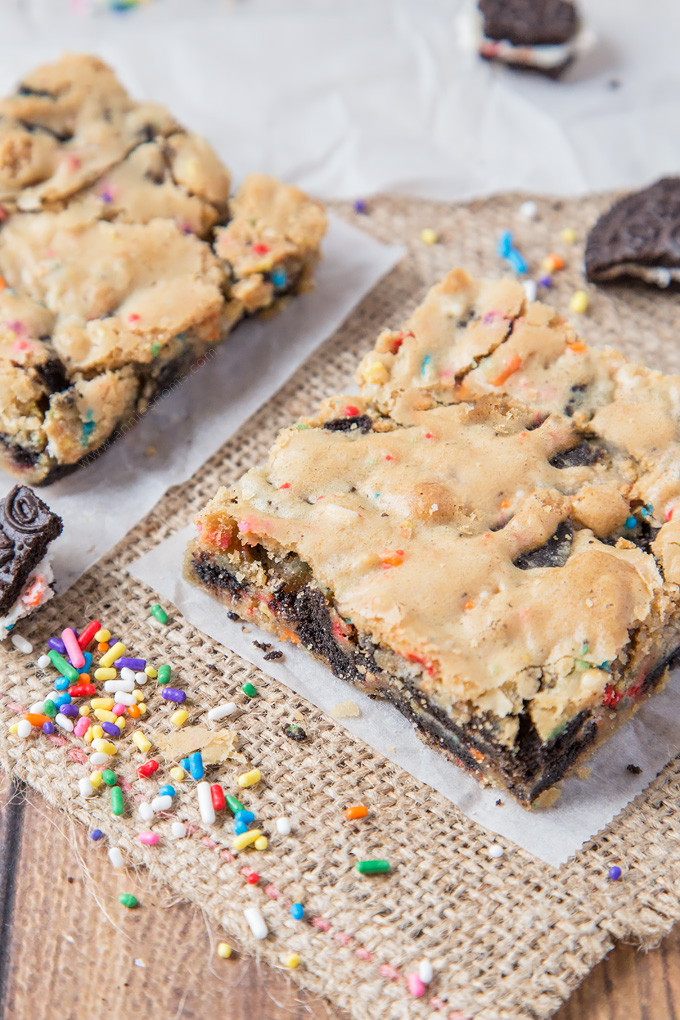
(511, 366)
(286, 485)
(393, 559)
(84, 678)
(35, 719)
(477, 755)
(103, 646)
(577, 348)
(134, 711)
(290, 635)
(358, 811)
(554, 263)
(505, 504)
(469, 605)
(3, 283)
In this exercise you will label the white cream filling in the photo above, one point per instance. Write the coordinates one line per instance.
(42, 576)
(659, 275)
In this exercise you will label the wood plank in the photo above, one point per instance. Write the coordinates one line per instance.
(72, 951)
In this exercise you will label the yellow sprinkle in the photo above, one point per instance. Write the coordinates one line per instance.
(261, 843)
(429, 236)
(120, 723)
(568, 235)
(108, 658)
(14, 727)
(179, 717)
(84, 710)
(139, 695)
(105, 716)
(142, 741)
(150, 671)
(375, 372)
(579, 302)
(142, 707)
(249, 778)
(177, 773)
(96, 779)
(105, 674)
(105, 746)
(88, 736)
(106, 703)
(224, 950)
(293, 960)
(97, 732)
(102, 635)
(245, 839)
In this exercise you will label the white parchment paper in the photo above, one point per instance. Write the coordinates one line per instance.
(650, 740)
(102, 501)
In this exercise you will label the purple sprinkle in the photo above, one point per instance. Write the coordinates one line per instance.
(136, 664)
(109, 728)
(57, 645)
(545, 281)
(615, 873)
(360, 206)
(173, 694)
(69, 709)
(48, 727)
(107, 196)
(96, 834)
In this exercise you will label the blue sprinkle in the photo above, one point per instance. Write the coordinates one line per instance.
(240, 827)
(279, 278)
(425, 362)
(88, 662)
(166, 791)
(196, 765)
(297, 911)
(245, 816)
(615, 873)
(63, 699)
(96, 834)
(61, 683)
(504, 246)
(630, 522)
(516, 261)
(185, 764)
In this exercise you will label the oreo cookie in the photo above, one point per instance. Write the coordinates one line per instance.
(639, 237)
(538, 35)
(27, 526)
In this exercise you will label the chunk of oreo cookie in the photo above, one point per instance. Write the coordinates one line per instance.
(529, 22)
(638, 237)
(554, 553)
(27, 526)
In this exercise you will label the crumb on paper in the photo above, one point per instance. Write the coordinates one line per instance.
(582, 772)
(215, 745)
(547, 798)
(635, 770)
(499, 802)
(140, 963)
(150, 451)
(345, 710)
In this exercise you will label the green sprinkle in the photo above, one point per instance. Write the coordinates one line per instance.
(582, 664)
(49, 709)
(299, 425)
(155, 350)
(116, 800)
(372, 867)
(109, 777)
(128, 900)
(249, 690)
(234, 804)
(164, 673)
(60, 663)
(159, 613)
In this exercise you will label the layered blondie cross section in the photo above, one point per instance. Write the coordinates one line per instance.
(485, 536)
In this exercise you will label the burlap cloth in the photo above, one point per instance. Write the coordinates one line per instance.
(508, 938)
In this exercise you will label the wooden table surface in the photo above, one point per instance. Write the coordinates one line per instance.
(70, 951)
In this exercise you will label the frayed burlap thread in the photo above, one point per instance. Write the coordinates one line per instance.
(508, 938)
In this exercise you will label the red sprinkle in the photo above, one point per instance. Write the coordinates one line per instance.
(218, 801)
(82, 690)
(351, 411)
(147, 769)
(611, 696)
(89, 632)
(260, 249)
(253, 878)
(286, 485)
(133, 317)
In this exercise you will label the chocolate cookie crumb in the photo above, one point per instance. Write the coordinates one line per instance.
(294, 731)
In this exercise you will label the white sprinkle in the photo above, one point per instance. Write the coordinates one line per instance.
(162, 803)
(122, 698)
(256, 922)
(283, 825)
(85, 787)
(145, 811)
(156, 624)
(178, 830)
(425, 972)
(139, 962)
(99, 758)
(496, 851)
(22, 644)
(64, 722)
(528, 210)
(44, 661)
(530, 289)
(52, 696)
(24, 729)
(127, 674)
(111, 686)
(205, 804)
(37, 707)
(141, 678)
(116, 857)
(222, 711)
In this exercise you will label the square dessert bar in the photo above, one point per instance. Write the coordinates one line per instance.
(123, 259)
(486, 536)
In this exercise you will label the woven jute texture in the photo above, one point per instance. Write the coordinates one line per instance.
(508, 938)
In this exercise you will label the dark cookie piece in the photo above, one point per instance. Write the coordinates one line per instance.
(577, 456)
(529, 22)
(357, 421)
(641, 231)
(294, 731)
(554, 553)
(27, 526)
